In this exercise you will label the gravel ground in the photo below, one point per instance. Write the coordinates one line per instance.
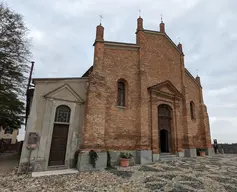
(8, 161)
(217, 174)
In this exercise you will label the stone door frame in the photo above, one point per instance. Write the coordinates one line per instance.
(169, 129)
(55, 104)
(173, 99)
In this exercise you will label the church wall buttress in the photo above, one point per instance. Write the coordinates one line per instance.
(179, 131)
(185, 139)
(207, 132)
(205, 126)
(94, 124)
(144, 96)
(204, 119)
(155, 132)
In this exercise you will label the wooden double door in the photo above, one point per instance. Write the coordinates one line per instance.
(58, 145)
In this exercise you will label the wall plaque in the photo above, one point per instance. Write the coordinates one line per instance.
(33, 139)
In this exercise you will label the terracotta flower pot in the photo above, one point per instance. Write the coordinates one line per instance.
(124, 162)
(202, 153)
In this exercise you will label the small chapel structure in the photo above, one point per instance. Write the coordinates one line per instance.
(137, 97)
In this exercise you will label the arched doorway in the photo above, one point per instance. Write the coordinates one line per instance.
(164, 127)
(59, 137)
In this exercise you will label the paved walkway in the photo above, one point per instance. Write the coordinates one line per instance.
(55, 172)
(201, 174)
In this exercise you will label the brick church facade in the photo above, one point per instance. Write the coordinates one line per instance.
(141, 97)
(136, 97)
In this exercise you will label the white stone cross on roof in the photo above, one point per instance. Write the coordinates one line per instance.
(101, 17)
(139, 13)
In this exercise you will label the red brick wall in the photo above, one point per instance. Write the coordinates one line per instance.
(95, 106)
(161, 60)
(152, 60)
(192, 94)
(122, 125)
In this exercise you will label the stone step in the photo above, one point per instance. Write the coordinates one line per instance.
(167, 157)
(57, 167)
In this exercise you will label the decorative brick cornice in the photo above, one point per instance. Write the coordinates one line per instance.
(138, 30)
(121, 45)
(98, 41)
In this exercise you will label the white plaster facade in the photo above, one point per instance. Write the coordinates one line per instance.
(12, 136)
(48, 95)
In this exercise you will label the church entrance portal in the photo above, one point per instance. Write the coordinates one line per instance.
(164, 127)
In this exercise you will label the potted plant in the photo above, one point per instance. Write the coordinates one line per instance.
(93, 157)
(202, 152)
(124, 159)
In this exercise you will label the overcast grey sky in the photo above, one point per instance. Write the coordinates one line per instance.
(63, 32)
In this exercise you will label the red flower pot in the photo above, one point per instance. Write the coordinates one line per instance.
(124, 162)
(202, 153)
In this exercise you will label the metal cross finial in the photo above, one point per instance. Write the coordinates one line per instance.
(139, 13)
(161, 18)
(101, 17)
(197, 71)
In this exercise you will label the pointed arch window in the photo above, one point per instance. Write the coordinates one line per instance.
(121, 97)
(192, 110)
